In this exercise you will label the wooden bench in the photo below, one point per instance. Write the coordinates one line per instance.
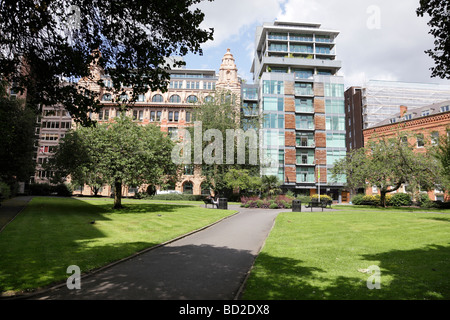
(316, 204)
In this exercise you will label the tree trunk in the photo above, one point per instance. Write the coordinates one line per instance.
(383, 198)
(118, 194)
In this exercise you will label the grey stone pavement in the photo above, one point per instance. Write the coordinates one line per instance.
(211, 264)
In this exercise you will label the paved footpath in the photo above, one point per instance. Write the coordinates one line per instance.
(210, 264)
(10, 208)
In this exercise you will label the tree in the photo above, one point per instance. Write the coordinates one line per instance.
(388, 163)
(46, 45)
(240, 179)
(223, 140)
(118, 153)
(17, 126)
(442, 153)
(439, 13)
(271, 185)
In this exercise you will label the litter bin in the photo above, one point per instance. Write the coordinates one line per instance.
(296, 206)
(223, 203)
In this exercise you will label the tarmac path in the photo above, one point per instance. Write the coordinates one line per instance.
(211, 264)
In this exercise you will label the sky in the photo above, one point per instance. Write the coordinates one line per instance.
(378, 40)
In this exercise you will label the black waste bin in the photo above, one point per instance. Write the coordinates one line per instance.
(296, 206)
(223, 203)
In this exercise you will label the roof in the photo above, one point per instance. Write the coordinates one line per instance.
(415, 113)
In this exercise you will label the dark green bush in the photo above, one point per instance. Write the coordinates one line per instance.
(5, 191)
(40, 189)
(358, 199)
(63, 190)
(400, 199)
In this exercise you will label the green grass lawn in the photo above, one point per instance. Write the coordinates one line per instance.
(318, 255)
(54, 233)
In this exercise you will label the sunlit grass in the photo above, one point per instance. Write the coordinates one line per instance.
(54, 233)
(323, 256)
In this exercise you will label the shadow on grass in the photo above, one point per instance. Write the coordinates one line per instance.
(408, 275)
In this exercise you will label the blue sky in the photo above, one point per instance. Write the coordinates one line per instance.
(379, 39)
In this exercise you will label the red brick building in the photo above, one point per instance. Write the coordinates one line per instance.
(426, 123)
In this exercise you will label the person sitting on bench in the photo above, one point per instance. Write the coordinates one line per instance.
(215, 202)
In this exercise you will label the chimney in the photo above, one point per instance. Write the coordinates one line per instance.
(403, 110)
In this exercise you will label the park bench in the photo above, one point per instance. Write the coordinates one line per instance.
(209, 201)
(316, 204)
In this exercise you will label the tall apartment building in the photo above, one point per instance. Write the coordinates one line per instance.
(301, 97)
(378, 100)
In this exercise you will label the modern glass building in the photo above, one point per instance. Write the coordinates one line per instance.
(301, 98)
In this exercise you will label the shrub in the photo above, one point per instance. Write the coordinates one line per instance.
(323, 197)
(358, 199)
(40, 189)
(273, 205)
(304, 199)
(5, 191)
(400, 199)
(63, 190)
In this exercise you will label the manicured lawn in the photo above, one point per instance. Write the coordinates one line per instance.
(318, 255)
(54, 233)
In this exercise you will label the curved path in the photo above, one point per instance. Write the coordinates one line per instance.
(211, 264)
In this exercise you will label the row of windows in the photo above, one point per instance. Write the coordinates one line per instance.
(299, 48)
(156, 98)
(56, 124)
(299, 37)
(154, 115)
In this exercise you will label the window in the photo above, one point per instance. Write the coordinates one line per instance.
(175, 98)
(273, 138)
(158, 116)
(192, 99)
(210, 85)
(420, 141)
(304, 122)
(209, 99)
(157, 98)
(187, 187)
(335, 155)
(305, 157)
(189, 170)
(188, 116)
(303, 74)
(304, 89)
(273, 104)
(173, 133)
(334, 90)
(336, 140)
(176, 84)
(334, 106)
(301, 37)
(170, 116)
(152, 116)
(301, 48)
(107, 97)
(434, 137)
(445, 108)
(192, 85)
(305, 174)
(141, 98)
(323, 50)
(277, 36)
(335, 123)
(305, 139)
(175, 116)
(274, 121)
(273, 87)
(407, 117)
(425, 113)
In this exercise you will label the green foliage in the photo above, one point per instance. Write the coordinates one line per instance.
(323, 197)
(17, 126)
(439, 23)
(5, 191)
(387, 163)
(358, 199)
(400, 199)
(129, 39)
(117, 153)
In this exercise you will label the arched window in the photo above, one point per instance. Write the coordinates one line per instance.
(187, 187)
(106, 97)
(208, 99)
(192, 99)
(175, 98)
(157, 98)
(123, 97)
